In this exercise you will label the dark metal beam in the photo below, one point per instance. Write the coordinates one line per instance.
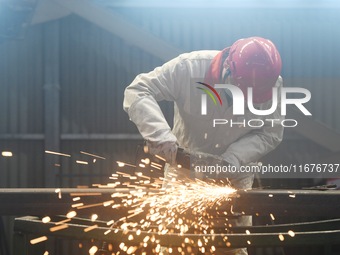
(101, 137)
(50, 201)
(289, 203)
(30, 225)
(92, 136)
(114, 23)
(22, 136)
(253, 202)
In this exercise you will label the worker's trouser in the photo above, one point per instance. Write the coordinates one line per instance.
(244, 182)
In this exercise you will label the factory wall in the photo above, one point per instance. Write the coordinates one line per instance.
(95, 66)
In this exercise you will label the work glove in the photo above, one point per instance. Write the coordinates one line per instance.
(194, 160)
(164, 146)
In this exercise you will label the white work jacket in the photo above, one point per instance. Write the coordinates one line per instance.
(176, 81)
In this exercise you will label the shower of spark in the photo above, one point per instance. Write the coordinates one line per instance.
(183, 206)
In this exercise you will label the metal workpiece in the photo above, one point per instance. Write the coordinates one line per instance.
(54, 201)
(312, 203)
(207, 230)
(49, 201)
(314, 233)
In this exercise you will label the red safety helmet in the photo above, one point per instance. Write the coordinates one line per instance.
(254, 62)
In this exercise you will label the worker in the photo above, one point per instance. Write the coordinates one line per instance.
(252, 62)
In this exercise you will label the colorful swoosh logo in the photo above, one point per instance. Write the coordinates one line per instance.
(208, 92)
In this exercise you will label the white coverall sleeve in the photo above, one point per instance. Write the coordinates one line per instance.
(141, 96)
(257, 143)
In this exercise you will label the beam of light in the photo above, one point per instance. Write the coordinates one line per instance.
(63, 221)
(92, 155)
(146, 161)
(131, 249)
(281, 237)
(108, 203)
(89, 206)
(291, 233)
(58, 228)
(58, 191)
(85, 194)
(71, 214)
(93, 250)
(122, 164)
(77, 205)
(6, 153)
(58, 153)
(94, 217)
(38, 240)
(107, 232)
(156, 166)
(159, 157)
(82, 162)
(46, 219)
(90, 228)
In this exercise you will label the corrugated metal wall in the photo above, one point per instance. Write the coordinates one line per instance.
(96, 66)
(21, 78)
(21, 111)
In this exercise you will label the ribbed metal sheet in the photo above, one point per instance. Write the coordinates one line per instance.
(21, 86)
(95, 69)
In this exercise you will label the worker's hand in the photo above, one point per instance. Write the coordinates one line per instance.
(165, 148)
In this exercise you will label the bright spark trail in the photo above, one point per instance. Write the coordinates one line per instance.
(184, 206)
